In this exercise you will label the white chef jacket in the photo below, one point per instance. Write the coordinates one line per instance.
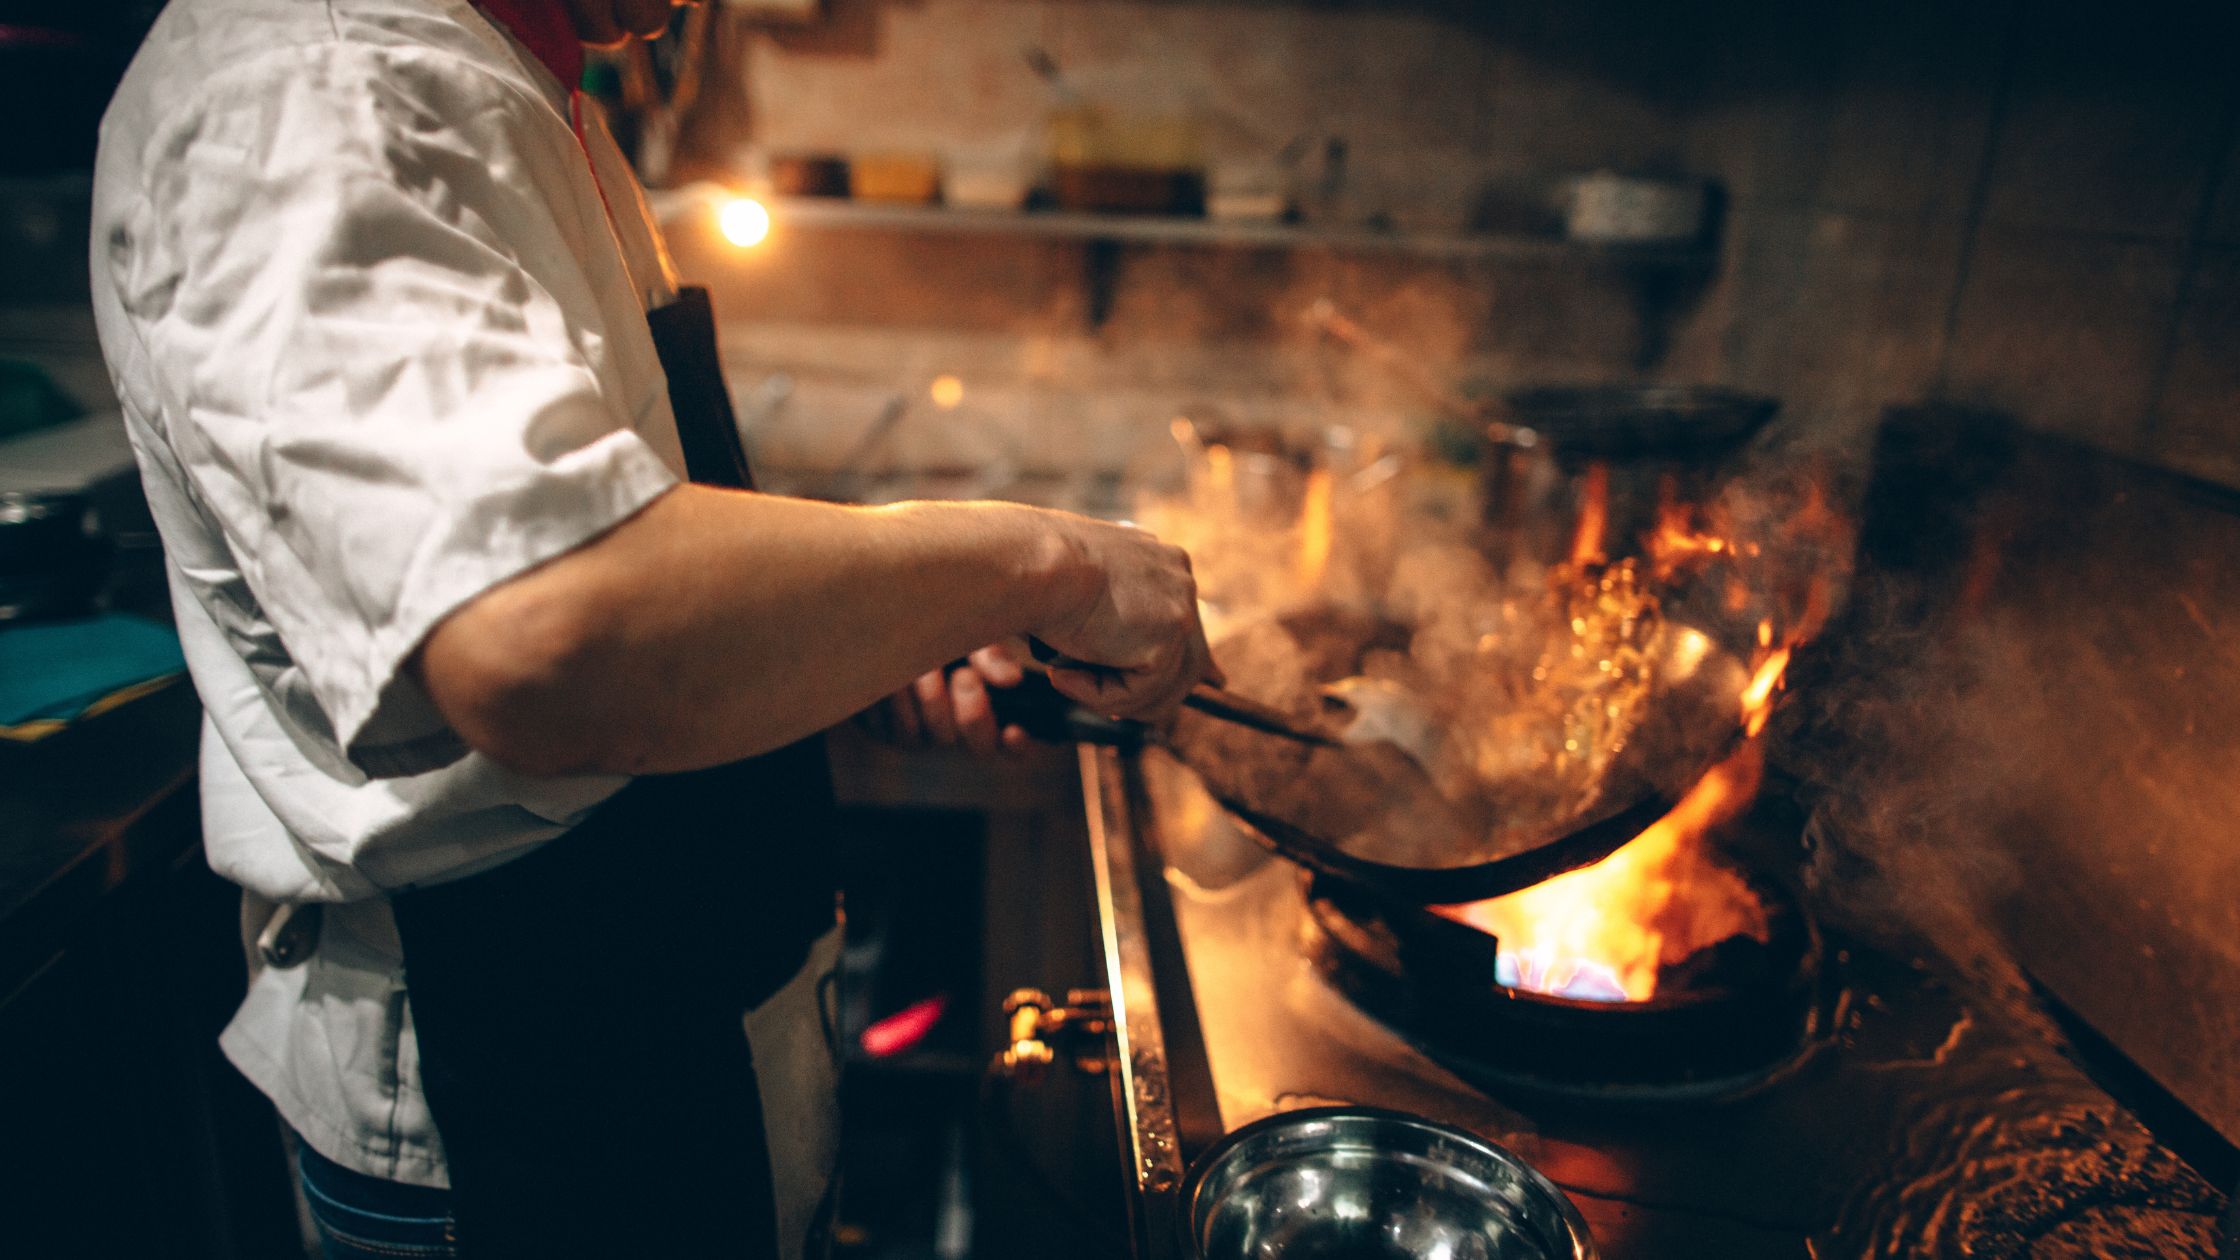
(380, 346)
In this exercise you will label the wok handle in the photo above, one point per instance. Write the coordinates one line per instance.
(1051, 658)
(1206, 698)
(1049, 715)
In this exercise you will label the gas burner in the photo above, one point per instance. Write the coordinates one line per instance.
(1725, 1019)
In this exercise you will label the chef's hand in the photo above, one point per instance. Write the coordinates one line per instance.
(951, 706)
(1133, 647)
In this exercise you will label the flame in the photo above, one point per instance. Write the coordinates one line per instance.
(1603, 932)
(1757, 698)
(1677, 543)
(1594, 514)
(946, 391)
(1315, 526)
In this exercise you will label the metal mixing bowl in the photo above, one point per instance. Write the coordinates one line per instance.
(1364, 1183)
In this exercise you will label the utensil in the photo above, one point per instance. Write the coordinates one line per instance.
(1324, 316)
(1626, 454)
(1206, 698)
(1045, 66)
(1635, 422)
(1425, 848)
(1366, 1182)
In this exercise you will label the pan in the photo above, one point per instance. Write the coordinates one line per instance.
(1421, 847)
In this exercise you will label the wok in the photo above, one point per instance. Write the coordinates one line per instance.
(1414, 844)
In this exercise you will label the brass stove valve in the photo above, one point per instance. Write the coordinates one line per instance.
(1041, 1028)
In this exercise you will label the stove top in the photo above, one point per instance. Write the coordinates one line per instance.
(1921, 1121)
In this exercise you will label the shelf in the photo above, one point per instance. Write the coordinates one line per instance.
(816, 213)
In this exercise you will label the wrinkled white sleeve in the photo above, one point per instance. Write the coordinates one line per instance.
(381, 362)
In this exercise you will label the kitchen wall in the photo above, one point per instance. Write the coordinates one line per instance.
(2015, 205)
(1433, 112)
(2028, 207)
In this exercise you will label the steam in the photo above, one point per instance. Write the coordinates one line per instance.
(2038, 755)
(1892, 758)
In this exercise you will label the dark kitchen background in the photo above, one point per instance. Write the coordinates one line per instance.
(1986, 256)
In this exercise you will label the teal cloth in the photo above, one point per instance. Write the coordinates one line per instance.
(55, 670)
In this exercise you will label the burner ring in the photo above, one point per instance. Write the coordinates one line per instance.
(1431, 980)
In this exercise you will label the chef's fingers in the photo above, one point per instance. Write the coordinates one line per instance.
(1106, 691)
(1016, 741)
(1189, 670)
(997, 665)
(932, 689)
(975, 716)
(1180, 666)
(1150, 693)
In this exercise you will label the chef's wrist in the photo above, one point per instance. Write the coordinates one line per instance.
(1059, 574)
(1032, 569)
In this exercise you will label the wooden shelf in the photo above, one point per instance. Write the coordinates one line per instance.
(820, 214)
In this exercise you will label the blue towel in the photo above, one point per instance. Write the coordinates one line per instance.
(54, 672)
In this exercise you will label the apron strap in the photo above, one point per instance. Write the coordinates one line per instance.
(685, 330)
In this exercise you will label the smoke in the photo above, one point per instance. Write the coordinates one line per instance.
(1890, 748)
(1539, 691)
(2026, 755)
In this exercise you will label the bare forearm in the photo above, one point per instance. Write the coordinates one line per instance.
(715, 625)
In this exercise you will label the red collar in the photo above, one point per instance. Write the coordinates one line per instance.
(543, 28)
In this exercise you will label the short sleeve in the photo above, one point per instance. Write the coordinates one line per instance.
(381, 362)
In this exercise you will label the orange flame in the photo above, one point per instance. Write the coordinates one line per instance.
(1757, 698)
(1605, 931)
(1677, 543)
(1587, 541)
(1315, 526)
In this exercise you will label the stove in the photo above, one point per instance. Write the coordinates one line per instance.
(1848, 1101)
(1748, 1011)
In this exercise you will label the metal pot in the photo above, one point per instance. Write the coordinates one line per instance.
(1365, 1182)
(1624, 452)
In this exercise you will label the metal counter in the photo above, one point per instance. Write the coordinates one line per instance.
(1921, 1124)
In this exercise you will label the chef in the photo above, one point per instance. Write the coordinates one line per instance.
(506, 668)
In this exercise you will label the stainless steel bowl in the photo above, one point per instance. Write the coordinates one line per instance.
(1361, 1182)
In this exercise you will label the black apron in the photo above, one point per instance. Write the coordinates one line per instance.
(578, 1011)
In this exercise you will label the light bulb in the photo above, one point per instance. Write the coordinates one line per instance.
(745, 222)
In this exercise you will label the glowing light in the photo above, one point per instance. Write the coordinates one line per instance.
(1690, 649)
(1757, 698)
(1601, 933)
(905, 1028)
(1315, 526)
(745, 222)
(1542, 969)
(947, 392)
(1594, 514)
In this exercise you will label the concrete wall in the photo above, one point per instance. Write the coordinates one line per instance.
(2014, 205)
(2020, 206)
